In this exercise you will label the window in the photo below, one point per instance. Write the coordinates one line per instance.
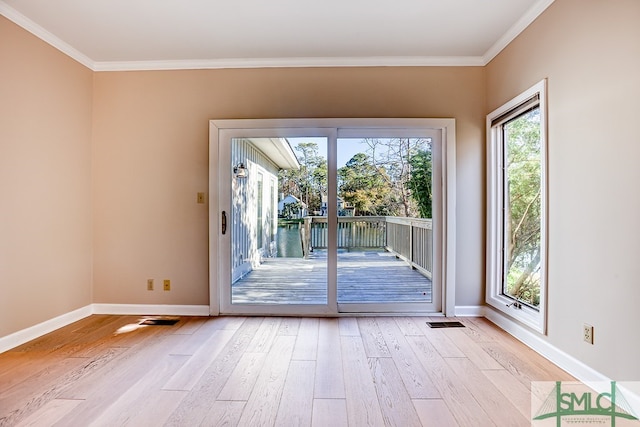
(516, 234)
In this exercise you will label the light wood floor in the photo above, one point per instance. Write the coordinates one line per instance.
(271, 371)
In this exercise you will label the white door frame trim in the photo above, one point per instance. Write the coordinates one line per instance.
(448, 243)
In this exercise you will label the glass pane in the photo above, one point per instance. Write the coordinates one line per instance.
(384, 220)
(271, 203)
(522, 214)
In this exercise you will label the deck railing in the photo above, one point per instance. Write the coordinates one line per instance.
(412, 240)
(408, 238)
(354, 232)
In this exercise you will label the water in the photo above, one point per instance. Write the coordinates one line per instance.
(288, 241)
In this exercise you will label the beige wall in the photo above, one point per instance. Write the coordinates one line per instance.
(590, 52)
(133, 147)
(45, 181)
(100, 170)
(150, 158)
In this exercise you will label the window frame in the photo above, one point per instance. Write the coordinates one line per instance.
(535, 319)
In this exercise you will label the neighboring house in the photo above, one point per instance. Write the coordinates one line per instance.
(254, 215)
(324, 208)
(344, 208)
(297, 208)
(347, 210)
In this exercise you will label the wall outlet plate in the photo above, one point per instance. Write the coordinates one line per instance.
(167, 284)
(149, 284)
(587, 333)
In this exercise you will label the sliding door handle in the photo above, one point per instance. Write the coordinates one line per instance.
(224, 222)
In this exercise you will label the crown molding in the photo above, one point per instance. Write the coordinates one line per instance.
(515, 30)
(309, 62)
(44, 35)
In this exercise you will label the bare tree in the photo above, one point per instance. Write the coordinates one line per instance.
(394, 155)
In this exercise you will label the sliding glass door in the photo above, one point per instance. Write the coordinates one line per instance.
(324, 220)
(275, 182)
(385, 236)
(276, 185)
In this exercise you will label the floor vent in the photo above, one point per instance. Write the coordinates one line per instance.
(160, 321)
(436, 325)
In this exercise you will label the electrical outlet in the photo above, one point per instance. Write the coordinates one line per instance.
(167, 284)
(149, 284)
(201, 198)
(587, 333)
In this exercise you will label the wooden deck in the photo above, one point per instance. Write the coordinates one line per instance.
(363, 277)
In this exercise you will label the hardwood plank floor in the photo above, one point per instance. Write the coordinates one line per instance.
(329, 379)
(363, 405)
(329, 412)
(268, 371)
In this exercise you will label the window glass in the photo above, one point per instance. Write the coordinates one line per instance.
(522, 218)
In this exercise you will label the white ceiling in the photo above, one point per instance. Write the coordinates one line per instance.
(170, 34)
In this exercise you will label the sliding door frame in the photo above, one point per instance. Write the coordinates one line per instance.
(221, 130)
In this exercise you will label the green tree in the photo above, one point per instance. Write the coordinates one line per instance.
(364, 186)
(289, 182)
(309, 181)
(420, 182)
(291, 210)
(523, 206)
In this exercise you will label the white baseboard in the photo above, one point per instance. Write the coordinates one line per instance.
(469, 310)
(573, 366)
(25, 335)
(152, 309)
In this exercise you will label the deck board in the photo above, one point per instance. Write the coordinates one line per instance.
(363, 277)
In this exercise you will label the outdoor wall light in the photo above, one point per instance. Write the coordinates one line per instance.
(240, 171)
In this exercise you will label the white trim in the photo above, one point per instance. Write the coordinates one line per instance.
(537, 342)
(221, 130)
(19, 19)
(25, 335)
(152, 309)
(218, 244)
(515, 30)
(469, 310)
(570, 364)
(449, 225)
(214, 222)
(632, 395)
(536, 319)
(211, 64)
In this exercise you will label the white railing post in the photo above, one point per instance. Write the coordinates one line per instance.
(411, 259)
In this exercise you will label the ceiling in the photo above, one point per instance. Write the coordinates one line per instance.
(177, 34)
